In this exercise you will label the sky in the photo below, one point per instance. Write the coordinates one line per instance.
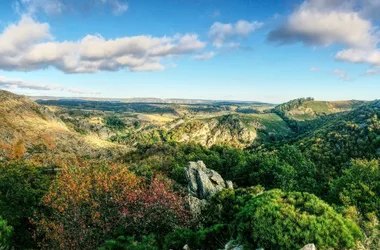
(253, 50)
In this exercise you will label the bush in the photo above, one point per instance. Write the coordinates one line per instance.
(6, 232)
(89, 204)
(279, 220)
(83, 206)
(213, 237)
(129, 243)
(114, 122)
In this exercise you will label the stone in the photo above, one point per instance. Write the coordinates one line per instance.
(232, 245)
(309, 247)
(186, 247)
(204, 182)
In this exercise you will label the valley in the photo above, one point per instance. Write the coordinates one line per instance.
(75, 153)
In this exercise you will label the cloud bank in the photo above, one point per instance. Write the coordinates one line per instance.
(349, 23)
(28, 45)
(12, 83)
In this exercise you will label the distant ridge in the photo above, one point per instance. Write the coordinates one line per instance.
(146, 100)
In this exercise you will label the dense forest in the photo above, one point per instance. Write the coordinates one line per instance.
(318, 184)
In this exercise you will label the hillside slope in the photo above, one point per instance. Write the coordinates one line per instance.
(31, 132)
(351, 135)
(305, 113)
(235, 130)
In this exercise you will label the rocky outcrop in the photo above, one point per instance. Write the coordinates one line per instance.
(232, 245)
(309, 247)
(204, 182)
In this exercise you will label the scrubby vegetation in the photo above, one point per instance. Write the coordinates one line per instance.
(319, 183)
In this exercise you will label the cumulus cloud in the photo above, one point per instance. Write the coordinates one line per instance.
(326, 22)
(53, 7)
(220, 32)
(28, 45)
(342, 74)
(360, 56)
(205, 56)
(323, 23)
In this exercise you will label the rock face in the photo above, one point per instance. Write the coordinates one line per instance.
(204, 182)
(309, 247)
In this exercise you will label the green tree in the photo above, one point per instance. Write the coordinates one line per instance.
(359, 186)
(6, 232)
(22, 187)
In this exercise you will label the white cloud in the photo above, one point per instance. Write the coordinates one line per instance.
(83, 91)
(372, 72)
(205, 56)
(220, 32)
(342, 74)
(28, 45)
(12, 83)
(323, 23)
(314, 69)
(53, 7)
(31, 7)
(359, 56)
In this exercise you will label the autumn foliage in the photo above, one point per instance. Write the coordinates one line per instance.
(87, 205)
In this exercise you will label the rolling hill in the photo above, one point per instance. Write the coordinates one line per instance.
(29, 131)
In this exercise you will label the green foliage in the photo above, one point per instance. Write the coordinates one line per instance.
(359, 186)
(6, 232)
(223, 206)
(209, 238)
(129, 243)
(22, 187)
(280, 220)
(332, 146)
(114, 122)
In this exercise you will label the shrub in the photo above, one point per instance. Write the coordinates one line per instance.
(114, 122)
(279, 220)
(87, 205)
(6, 232)
(129, 243)
(84, 206)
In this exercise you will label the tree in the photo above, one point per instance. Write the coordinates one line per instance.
(88, 205)
(83, 206)
(359, 186)
(22, 187)
(279, 220)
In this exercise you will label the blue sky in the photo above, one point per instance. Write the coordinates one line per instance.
(263, 50)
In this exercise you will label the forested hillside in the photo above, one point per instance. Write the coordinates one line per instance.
(305, 172)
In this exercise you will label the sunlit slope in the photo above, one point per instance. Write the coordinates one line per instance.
(32, 132)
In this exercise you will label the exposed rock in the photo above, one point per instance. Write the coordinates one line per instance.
(309, 247)
(204, 182)
(196, 205)
(186, 247)
(232, 245)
